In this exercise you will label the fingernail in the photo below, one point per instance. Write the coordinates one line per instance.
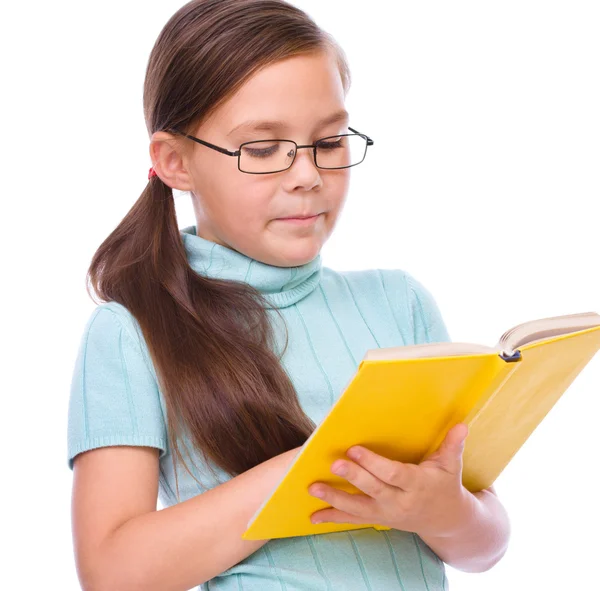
(316, 493)
(354, 453)
(340, 469)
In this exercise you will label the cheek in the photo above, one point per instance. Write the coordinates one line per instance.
(247, 201)
(337, 188)
(345, 179)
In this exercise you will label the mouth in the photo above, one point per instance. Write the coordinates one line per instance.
(301, 220)
(301, 216)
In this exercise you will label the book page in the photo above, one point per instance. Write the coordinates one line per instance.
(444, 349)
(537, 330)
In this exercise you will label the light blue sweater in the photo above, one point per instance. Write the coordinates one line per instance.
(332, 318)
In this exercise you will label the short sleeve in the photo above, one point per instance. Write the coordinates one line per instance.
(427, 321)
(114, 396)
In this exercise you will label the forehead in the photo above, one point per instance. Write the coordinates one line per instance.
(300, 91)
(279, 124)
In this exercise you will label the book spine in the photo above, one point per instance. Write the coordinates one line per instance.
(510, 357)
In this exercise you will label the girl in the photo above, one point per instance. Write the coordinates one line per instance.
(218, 348)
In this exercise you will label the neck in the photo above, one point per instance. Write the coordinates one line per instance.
(281, 286)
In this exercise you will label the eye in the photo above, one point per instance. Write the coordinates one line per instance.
(330, 144)
(261, 152)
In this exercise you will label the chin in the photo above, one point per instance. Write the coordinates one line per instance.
(300, 253)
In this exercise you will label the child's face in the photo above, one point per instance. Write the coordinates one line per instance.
(240, 210)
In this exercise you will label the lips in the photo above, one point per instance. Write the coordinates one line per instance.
(299, 217)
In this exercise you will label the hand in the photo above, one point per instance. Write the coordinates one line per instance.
(428, 499)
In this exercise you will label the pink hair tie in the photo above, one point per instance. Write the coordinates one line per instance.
(151, 173)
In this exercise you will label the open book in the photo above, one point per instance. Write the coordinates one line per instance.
(522, 334)
(402, 401)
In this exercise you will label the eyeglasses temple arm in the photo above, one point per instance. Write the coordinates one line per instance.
(217, 148)
(369, 140)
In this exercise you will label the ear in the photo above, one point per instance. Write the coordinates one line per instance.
(169, 160)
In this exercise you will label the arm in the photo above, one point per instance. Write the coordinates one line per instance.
(484, 539)
(123, 543)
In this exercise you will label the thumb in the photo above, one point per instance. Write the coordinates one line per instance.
(461, 432)
(454, 443)
(449, 452)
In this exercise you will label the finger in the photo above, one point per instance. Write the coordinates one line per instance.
(394, 473)
(452, 447)
(361, 478)
(455, 438)
(336, 516)
(356, 504)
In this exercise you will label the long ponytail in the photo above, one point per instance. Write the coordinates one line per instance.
(210, 340)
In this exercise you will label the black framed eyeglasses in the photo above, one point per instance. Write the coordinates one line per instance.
(276, 155)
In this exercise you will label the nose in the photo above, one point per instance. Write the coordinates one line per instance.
(305, 153)
(304, 172)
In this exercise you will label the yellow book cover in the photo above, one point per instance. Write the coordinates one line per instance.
(402, 401)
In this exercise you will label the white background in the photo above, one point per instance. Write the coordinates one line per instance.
(487, 142)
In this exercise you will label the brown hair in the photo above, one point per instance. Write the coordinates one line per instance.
(210, 340)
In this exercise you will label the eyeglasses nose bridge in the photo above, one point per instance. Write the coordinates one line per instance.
(314, 153)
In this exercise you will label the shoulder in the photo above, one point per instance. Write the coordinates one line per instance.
(412, 302)
(111, 317)
(366, 277)
(110, 330)
(397, 283)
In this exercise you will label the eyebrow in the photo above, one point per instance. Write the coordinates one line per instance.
(270, 125)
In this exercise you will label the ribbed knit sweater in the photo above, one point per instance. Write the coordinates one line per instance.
(332, 319)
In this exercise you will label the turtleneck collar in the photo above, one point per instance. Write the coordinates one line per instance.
(281, 286)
